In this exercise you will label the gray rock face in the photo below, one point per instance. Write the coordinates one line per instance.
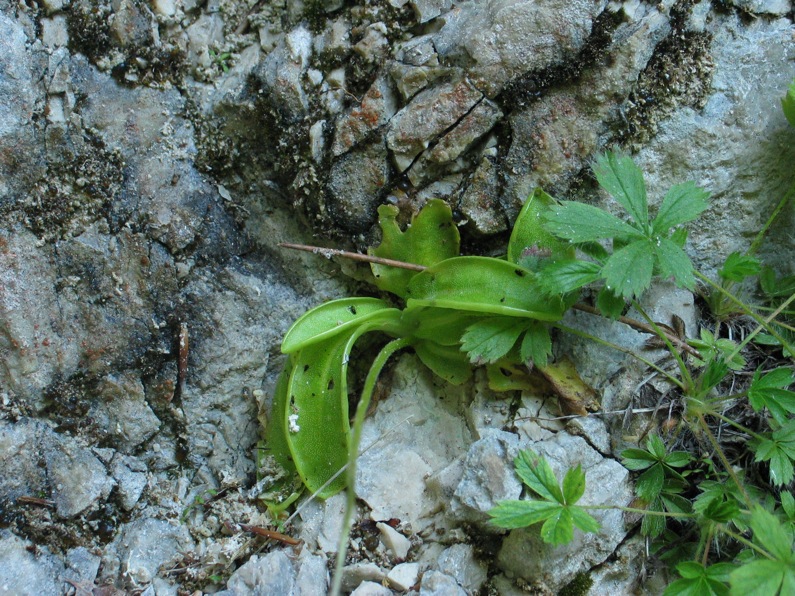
(152, 155)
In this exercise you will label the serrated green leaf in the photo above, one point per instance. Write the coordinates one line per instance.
(637, 459)
(759, 578)
(583, 520)
(538, 476)
(678, 459)
(562, 277)
(699, 581)
(536, 344)
(649, 484)
(769, 392)
(579, 222)
(620, 177)
(573, 485)
(490, 339)
(738, 266)
(653, 525)
(772, 451)
(559, 527)
(679, 237)
(772, 535)
(681, 204)
(673, 262)
(609, 304)
(655, 446)
(431, 238)
(788, 504)
(520, 514)
(628, 271)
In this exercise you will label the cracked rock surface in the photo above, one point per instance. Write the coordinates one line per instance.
(153, 155)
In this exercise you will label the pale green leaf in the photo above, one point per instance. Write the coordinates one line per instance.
(520, 514)
(682, 203)
(562, 277)
(490, 339)
(573, 485)
(536, 344)
(538, 476)
(579, 222)
(559, 527)
(673, 262)
(619, 176)
(628, 271)
(583, 520)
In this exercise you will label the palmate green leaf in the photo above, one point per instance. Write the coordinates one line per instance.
(583, 520)
(649, 484)
(698, 580)
(559, 527)
(562, 277)
(779, 450)
(514, 514)
(573, 485)
(681, 204)
(536, 344)
(619, 176)
(628, 271)
(538, 476)
(767, 576)
(739, 266)
(488, 340)
(579, 222)
(673, 262)
(769, 391)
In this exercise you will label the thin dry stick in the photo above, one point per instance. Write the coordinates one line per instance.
(357, 256)
(643, 328)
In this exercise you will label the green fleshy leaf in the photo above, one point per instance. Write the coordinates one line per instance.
(431, 238)
(447, 362)
(578, 222)
(619, 176)
(331, 318)
(482, 285)
(536, 344)
(628, 271)
(681, 204)
(788, 104)
(490, 339)
(529, 238)
(649, 484)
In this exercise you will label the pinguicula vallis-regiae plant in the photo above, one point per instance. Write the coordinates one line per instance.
(462, 311)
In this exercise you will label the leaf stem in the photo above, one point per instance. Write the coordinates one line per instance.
(642, 327)
(353, 453)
